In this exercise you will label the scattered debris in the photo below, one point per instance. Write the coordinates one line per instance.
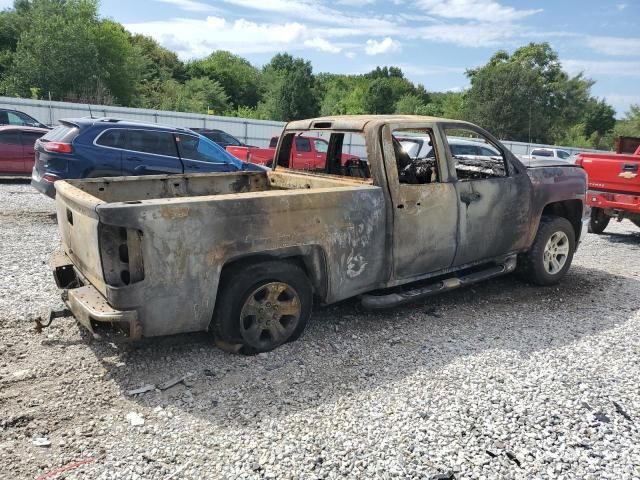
(444, 476)
(491, 454)
(173, 381)
(64, 468)
(513, 458)
(208, 373)
(601, 417)
(135, 419)
(621, 411)
(41, 442)
(143, 389)
(433, 312)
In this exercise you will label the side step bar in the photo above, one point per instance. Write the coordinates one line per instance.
(374, 302)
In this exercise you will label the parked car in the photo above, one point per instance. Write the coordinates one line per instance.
(221, 137)
(19, 119)
(107, 147)
(547, 154)
(614, 187)
(16, 149)
(307, 153)
(246, 254)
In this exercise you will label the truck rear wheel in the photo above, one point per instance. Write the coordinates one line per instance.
(262, 306)
(550, 256)
(599, 221)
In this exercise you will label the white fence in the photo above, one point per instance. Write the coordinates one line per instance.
(253, 132)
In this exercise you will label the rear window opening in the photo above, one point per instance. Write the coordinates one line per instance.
(64, 133)
(328, 152)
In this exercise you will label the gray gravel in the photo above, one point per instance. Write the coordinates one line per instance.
(502, 380)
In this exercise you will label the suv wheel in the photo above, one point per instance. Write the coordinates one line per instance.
(262, 306)
(550, 256)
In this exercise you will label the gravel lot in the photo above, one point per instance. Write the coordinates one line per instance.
(503, 380)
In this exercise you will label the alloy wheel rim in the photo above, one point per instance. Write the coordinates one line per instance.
(270, 315)
(556, 252)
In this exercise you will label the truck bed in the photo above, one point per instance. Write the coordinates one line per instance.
(157, 244)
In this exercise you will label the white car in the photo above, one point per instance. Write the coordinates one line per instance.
(548, 154)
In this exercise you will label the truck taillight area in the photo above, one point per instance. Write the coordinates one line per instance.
(121, 255)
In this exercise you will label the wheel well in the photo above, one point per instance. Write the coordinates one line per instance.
(569, 209)
(310, 258)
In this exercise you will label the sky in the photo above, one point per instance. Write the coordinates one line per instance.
(433, 41)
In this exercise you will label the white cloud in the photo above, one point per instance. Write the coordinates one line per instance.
(387, 45)
(190, 5)
(355, 3)
(350, 55)
(468, 35)
(322, 45)
(618, 46)
(478, 10)
(6, 4)
(603, 68)
(621, 6)
(195, 38)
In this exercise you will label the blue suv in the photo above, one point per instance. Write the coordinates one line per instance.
(106, 147)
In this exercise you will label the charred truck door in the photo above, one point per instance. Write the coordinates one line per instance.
(493, 195)
(424, 201)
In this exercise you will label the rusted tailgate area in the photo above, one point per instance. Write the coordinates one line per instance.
(78, 224)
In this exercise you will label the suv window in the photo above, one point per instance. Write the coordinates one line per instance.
(111, 138)
(303, 144)
(202, 149)
(61, 133)
(563, 155)
(222, 137)
(10, 138)
(149, 141)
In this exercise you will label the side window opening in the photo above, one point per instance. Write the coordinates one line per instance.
(416, 157)
(475, 156)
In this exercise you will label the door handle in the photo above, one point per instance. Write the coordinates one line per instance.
(470, 197)
(630, 167)
(134, 159)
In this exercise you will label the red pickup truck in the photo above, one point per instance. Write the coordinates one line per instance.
(614, 187)
(307, 153)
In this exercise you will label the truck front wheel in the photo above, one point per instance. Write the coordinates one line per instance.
(550, 256)
(599, 221)
(262, 306)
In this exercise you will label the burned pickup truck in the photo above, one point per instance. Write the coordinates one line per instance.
(245, 255)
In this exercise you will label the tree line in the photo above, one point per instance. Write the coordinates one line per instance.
(64, 50)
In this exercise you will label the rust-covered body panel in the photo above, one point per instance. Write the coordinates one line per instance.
(157, 245)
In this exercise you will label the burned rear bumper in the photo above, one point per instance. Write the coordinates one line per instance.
(87, 304)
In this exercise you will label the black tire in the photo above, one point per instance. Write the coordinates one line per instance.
(533, 262)
(280, 317)
(599, 221)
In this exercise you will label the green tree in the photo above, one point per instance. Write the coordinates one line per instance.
(197, 95)
(629, 125)
(526, 96)
(56, 45)
(289, 89)
(379, 97)
(409, 104)
(120, 63)
(238, 77)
